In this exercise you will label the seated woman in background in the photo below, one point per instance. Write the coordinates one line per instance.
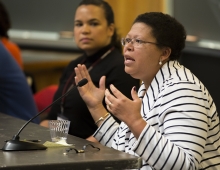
(95, 34)
(5, 25)
(171, 122)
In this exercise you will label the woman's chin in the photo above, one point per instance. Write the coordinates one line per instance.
(84, 47)
(130, 72)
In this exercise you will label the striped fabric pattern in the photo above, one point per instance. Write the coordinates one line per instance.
(182, 130)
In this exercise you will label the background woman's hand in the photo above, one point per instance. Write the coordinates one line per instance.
(91, 95)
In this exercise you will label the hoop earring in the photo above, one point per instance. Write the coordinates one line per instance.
(160, 63)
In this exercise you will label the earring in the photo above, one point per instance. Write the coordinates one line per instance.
(160, 63)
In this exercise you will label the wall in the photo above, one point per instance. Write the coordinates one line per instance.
(38, 24)
(201, 19)
(205, 64)
(127, 10)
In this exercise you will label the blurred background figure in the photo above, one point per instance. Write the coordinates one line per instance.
(13, 48)
(95, 34)
(16, 98)
(5, 25)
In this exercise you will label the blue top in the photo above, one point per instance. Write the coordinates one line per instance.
(16, 98)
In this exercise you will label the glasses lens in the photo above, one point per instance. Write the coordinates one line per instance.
(123, 41)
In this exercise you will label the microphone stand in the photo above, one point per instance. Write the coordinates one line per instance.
(16, 145)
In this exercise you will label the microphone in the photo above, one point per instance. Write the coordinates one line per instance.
(16, 145)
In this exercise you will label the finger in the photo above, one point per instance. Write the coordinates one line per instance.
(78, 72)
(76, 79)
(108, 108)
(82, 72)
(108, 104)
(134, 94)
(116, 92)
(78, 76)
(109, 99)
(85, 73)
(102, 83)
(106, 97)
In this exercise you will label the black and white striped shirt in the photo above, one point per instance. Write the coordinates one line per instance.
(182, 130)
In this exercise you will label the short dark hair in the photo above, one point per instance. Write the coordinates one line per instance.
(109, 15)
(5, 23)
(167, 31)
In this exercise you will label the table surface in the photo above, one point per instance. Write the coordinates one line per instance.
(106, 158)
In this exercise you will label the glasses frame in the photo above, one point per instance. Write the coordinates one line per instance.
(134, 41)
(80, 150)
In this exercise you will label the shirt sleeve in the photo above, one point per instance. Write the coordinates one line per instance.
(182, 112)
(106, 132)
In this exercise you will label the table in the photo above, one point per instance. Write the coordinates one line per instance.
(53, 158)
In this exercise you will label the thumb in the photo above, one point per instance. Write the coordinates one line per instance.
(102, 83)
(134, 94)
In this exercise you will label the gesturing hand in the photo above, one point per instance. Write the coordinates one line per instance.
(91, 95)
(123, 108)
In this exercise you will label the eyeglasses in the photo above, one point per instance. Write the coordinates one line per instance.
(80, 150)
(135, 42)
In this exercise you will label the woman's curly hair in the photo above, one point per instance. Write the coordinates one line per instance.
(167, 31)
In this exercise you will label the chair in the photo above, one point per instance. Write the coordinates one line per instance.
(44, 98)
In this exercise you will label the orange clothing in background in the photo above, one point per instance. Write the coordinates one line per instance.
(14, 50)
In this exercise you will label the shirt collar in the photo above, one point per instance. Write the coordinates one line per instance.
(161, 77)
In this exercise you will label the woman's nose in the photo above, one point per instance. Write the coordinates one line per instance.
(129, 46)
(85, 29)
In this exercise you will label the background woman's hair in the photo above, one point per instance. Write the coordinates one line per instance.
(5, 23)
(167, 31)
(109, 15)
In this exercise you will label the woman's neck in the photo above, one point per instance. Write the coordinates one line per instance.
(99, 51)
(96, 50)
(91, 52)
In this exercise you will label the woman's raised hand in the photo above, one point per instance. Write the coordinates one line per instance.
(91, 95)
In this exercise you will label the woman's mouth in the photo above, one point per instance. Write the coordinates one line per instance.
(85, 40)
(128, 60)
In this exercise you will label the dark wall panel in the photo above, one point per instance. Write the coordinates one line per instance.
(42, 15)
(205, 64)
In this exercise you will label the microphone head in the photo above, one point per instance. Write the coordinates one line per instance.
(82, 82)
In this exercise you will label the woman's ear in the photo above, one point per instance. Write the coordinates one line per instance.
(165, 54)
(111, 29)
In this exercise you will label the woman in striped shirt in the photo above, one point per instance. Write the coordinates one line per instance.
(172, 122)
